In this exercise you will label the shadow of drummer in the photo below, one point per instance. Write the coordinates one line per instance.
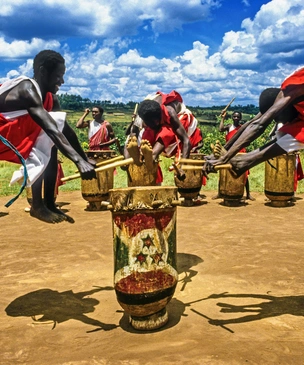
(55, 307)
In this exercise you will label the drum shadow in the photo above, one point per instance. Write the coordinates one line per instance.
(57, 307)
(2, 214)
(241, 203)
(288, 205)
(269, 306)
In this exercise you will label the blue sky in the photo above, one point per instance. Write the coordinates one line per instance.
(208, 50)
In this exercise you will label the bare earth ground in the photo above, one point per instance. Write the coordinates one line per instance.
(63, 275)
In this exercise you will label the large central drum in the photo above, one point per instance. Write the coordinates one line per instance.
(144, 237)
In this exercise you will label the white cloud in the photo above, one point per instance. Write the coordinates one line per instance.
(18, 48)
(111, 66)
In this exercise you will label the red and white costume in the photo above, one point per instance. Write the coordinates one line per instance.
(166, 134)
(97, 133)
(29, 139)
(294, 128)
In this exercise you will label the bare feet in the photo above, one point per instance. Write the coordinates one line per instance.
(146, 150)
(249, 197)
(218, 150)
(133, 150)
(46, 215)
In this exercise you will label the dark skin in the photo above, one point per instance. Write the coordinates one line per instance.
(159, 147)
(98, 117)
(25, 96)
(236, 118)
(173, 109)
(252, 130)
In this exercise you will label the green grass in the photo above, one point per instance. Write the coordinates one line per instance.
(256, 178)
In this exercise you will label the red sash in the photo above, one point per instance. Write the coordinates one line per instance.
(22, 132)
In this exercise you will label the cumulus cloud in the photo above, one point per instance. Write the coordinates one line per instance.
(116, 59)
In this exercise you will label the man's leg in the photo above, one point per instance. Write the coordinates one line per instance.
(50, 178)
(38, 208)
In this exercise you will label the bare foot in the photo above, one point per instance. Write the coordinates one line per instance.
(249, 197)
(146, 150)
(45, 215)
(62, 214)
(133, 150)
(218, 150)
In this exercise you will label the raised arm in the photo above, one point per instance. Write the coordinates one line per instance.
(222, 126)
(81, 122)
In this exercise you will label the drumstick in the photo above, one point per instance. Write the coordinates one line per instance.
(110, 160)
(127, 161)
(193, 162)
(104, 162)
(217, 167)
(228, 105)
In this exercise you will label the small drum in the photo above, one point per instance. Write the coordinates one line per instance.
(190, 187)
(96, 191)
(279, 179)
(144, 238)
(141, 176)
(231, 188)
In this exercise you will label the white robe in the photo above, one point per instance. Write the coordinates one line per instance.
(40, 154)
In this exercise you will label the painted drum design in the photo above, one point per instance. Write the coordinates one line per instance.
(144, 237)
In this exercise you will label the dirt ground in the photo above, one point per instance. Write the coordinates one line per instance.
(239, 299)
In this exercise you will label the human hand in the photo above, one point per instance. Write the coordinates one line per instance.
(86, 170)
(180, 174)
(223, 113)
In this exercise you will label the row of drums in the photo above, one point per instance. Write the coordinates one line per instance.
(278, 182)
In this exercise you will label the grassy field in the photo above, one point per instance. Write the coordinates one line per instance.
(256, 178)
(120, 122)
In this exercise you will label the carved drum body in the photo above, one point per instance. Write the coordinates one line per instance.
(96, 191)
(190, 187)
(279, 179)
(144, 237)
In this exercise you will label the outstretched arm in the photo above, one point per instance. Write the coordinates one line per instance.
(30, 100)
(256, 127)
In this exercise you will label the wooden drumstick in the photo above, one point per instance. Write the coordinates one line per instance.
(127, 161)
(193, 162)
(217, 167)
(105, 162)
(110, 160)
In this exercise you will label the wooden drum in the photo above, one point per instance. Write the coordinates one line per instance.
(231, 188)
(190, 187)
(141, 175)
(144, 237)
(96, 191)
(279, 179)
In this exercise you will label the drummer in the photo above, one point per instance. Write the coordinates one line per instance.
(170, 127)
(289, 138)
(100, 131)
